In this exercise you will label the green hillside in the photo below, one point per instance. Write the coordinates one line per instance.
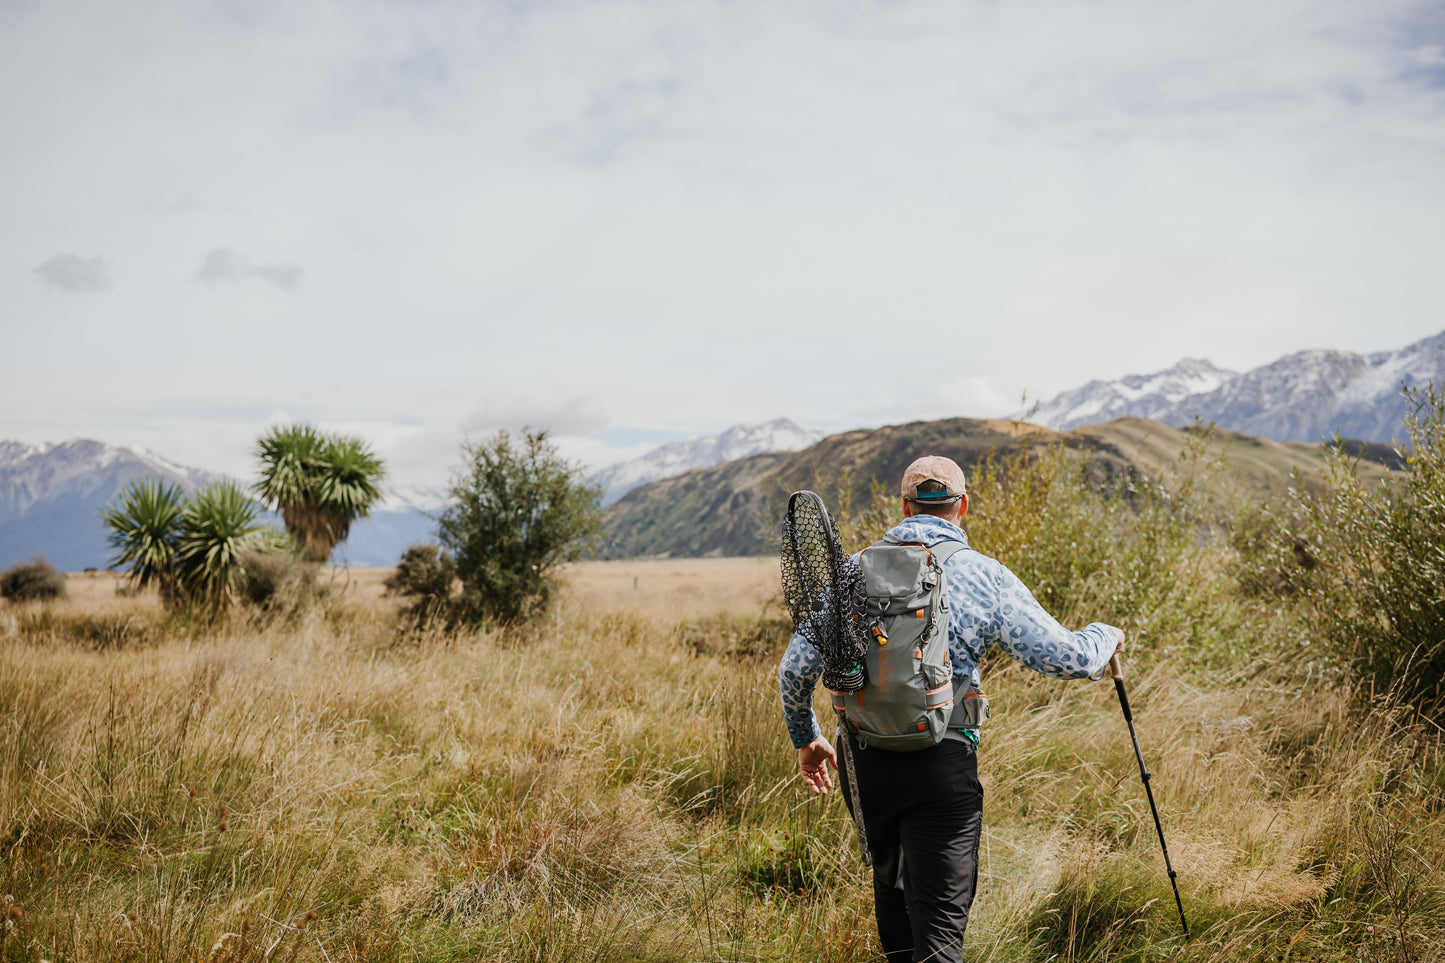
(733, 508)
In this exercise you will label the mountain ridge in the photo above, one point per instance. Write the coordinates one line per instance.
(739, 441)
(1304, 396)
(734, 508)
(51, 496)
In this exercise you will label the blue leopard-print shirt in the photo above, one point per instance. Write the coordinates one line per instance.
(988, 604)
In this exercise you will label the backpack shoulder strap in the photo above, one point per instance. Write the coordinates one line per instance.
(944, 551)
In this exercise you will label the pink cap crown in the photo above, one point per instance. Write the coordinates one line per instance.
(935, 468)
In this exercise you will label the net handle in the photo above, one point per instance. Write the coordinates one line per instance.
(814, 502)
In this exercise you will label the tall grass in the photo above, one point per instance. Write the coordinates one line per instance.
(613, 782)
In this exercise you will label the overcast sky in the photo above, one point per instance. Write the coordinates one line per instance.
(641, 221)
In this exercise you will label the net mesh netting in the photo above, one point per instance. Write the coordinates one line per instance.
(824, 592)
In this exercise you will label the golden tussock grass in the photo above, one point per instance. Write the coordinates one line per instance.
(613, 782)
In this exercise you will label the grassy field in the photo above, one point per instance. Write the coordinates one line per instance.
(613, 783)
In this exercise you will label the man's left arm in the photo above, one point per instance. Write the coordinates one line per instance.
(1034, 638)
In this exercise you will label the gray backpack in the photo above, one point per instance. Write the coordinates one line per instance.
(908, 701)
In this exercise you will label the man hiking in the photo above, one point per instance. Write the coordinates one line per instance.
(922, 809)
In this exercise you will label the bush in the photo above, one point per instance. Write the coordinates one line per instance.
(425, 574)
(1273, 561)
(518, 512)
(1378, 592)
(758, 637)
(423, 570)
(145, 524)
(276, 583)
(218, 524)
(1091, 544)
(35, 579)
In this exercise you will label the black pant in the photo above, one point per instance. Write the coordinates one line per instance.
(923, 812)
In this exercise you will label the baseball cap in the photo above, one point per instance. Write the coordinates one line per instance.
(944, 472)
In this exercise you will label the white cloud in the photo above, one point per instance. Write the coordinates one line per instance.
(223, 264)
(514, 412)
(689, 216)
(74, 274)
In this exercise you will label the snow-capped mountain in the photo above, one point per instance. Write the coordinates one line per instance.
(676, 457)
(412, 498)
(1305, 396)
(50, 496)
(1141, 396)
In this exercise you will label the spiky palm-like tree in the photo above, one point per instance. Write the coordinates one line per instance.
(217, 525)
(320, 483)
(144, 530)
(188, 548)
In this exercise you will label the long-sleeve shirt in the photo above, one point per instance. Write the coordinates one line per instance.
(988, 604)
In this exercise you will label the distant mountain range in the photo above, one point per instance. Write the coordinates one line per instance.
(51, 496)
(710, 495)
(734, 508)
(738, 441)
(1306, 396)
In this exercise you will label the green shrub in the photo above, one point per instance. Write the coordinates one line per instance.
(424, 571)
(218, 524)
(1378, 594)
(28, 581)
(424, 574)
(518, 512)
(760, 637)
(277, 583)
(1126, 549)
(1092, 545)
(1273, 561)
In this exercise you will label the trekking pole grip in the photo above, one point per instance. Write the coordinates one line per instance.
(1117, 672)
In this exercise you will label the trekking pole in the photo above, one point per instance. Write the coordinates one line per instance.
(846, 742)
(1117, 672)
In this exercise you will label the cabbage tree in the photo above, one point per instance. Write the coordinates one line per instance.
(319, 482)
(188, 548)
(144, 528)
(217, 525)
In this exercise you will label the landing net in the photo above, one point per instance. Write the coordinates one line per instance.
(824, 592)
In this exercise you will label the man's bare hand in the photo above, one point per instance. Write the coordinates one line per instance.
(814, 760)
(1116, 669)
